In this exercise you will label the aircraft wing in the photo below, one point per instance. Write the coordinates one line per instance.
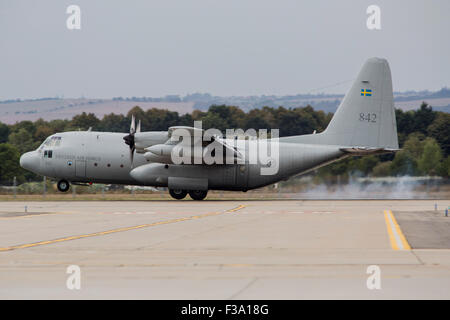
(192, 130)
(162, 152)
(229, 149)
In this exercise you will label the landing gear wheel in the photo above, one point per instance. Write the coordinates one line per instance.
(198, 194)
(178, 193)
(63, 185)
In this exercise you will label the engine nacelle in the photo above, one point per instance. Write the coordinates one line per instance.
(144, 140)
(164, 150)
(150, 156)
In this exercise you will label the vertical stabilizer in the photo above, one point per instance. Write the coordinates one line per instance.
(366, 116)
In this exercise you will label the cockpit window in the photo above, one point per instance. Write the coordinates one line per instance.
(46, 142)
(53, 141)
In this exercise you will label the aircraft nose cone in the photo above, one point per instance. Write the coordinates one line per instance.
(28, 161)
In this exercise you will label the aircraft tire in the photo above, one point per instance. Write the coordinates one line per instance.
(177, 193)
(63, 185)
(198, 194)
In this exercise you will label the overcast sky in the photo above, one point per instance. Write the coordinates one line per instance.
(227, 47)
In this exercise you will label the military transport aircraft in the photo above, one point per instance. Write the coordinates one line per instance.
(363, 124)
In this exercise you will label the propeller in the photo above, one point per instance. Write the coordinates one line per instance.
(129, 139)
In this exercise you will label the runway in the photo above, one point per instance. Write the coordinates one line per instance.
(287, 249)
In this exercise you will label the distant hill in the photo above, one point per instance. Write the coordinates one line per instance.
(12, 111)
(50, 109)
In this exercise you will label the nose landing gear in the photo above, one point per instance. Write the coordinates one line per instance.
(63, 185)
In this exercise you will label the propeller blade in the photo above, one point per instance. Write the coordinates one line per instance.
(129, 139)
(133, 125)
(132, 156)
(139, 126)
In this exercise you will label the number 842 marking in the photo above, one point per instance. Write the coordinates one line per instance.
(369, 117)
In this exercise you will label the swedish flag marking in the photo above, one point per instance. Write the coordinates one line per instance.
(366, 92)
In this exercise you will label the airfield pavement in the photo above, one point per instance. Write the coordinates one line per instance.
(237, 249)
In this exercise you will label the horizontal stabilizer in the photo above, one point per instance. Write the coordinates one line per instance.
(363, 151)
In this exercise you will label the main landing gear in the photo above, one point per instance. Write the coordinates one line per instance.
(198, 194)
(194, 194)
(177, 193)
(63, 185)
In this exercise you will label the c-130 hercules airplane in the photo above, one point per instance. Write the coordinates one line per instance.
(363, 124)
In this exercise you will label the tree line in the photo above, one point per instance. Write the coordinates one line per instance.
(424, 136)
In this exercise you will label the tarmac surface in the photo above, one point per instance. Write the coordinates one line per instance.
(288, 249)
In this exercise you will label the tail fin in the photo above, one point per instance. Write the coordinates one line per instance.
(366, 117)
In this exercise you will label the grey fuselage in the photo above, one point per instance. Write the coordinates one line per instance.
(103, 157)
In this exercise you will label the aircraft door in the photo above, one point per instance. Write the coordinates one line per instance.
(242, 175)
(48, 162)
(41, 159)
(68, 168)
(80, 168)
(229, 175)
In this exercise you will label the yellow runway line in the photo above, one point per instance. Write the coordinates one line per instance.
(102, 233)
(396, 236)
